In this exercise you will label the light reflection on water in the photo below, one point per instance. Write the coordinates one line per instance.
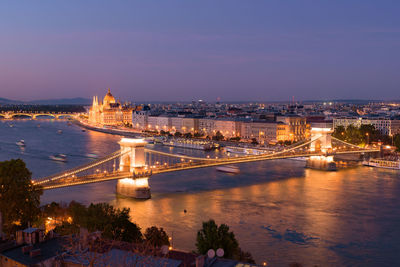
(279, 211)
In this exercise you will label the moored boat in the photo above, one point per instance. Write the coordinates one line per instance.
(236, 150)
(200, 145)
(383, 163)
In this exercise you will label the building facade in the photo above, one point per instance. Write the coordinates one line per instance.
(109, 112)
(295, 128)
(385, 126)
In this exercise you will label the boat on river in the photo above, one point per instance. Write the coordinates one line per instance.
(92, 155)
(228, 169)
(58, 157)
(383, 163)
(21, 143)
(183, 143)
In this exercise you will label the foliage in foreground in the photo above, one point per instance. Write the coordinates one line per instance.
(212, 236)
(19, 198)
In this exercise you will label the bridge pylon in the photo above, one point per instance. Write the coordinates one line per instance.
(322, 142)
(133, 160)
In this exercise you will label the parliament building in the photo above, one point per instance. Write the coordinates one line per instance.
(109, 112)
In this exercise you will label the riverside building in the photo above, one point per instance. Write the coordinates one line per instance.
(109, 112)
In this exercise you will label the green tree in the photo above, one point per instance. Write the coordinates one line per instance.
(212, 236)
(157, 237)
(19, 198)
(396, 141)
(353, 135)
(340, 132)
(178, 134)
(198, 134)
(78, 212)
(369, 133)
(218, 136)
(67, 228)
(254, 141)
(188, 135)
(114, 223)
(245, 256)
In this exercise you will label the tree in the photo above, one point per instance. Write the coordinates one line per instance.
(245, 256)
(353, 135)
(212, 236)
(287, 142)
(254, 141)
(396, 141)
(178, 134)
(114, 223)
(198, 134)
(66, 228)
(188, 135)
(369, 133)
(19, 198)
(218, 136)
(339, 132)
(236, 138)
(157, 237)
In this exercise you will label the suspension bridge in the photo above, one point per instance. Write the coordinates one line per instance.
(133, 164)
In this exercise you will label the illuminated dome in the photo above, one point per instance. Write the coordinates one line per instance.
(108, 98)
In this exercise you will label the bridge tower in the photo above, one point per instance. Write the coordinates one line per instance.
(322, 139)
(132, 161)
(322, 142)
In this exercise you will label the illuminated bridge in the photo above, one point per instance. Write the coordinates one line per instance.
(35, 115)
(133, 164)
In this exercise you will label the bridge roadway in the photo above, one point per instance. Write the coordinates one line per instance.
(71, 179)
(33, 115)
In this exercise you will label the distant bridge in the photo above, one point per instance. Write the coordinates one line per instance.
(133, 164)
(35, 115)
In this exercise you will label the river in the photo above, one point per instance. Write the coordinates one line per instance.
(278, 210)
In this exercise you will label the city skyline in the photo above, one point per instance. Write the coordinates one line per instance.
(179, 51)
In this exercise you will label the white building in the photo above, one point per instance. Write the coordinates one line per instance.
(385, 126)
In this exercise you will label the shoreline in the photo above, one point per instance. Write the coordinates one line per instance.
(107, 131)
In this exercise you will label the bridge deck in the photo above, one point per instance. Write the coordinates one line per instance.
(71, 180)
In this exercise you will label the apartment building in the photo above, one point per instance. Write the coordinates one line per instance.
(385, 126)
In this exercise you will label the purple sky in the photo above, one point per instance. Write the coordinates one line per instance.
(186, 50)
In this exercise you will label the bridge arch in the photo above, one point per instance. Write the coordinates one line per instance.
(13, 115)
(61, 116)
(35, 116)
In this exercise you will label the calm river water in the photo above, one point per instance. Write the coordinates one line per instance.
(279, 211)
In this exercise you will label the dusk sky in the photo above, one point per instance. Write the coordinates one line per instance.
(187, 50)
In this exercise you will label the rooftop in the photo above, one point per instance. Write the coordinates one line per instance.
(49, 249)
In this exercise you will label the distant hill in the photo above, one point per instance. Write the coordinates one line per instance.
(5, 101)
(348, 101)
(62, 101)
